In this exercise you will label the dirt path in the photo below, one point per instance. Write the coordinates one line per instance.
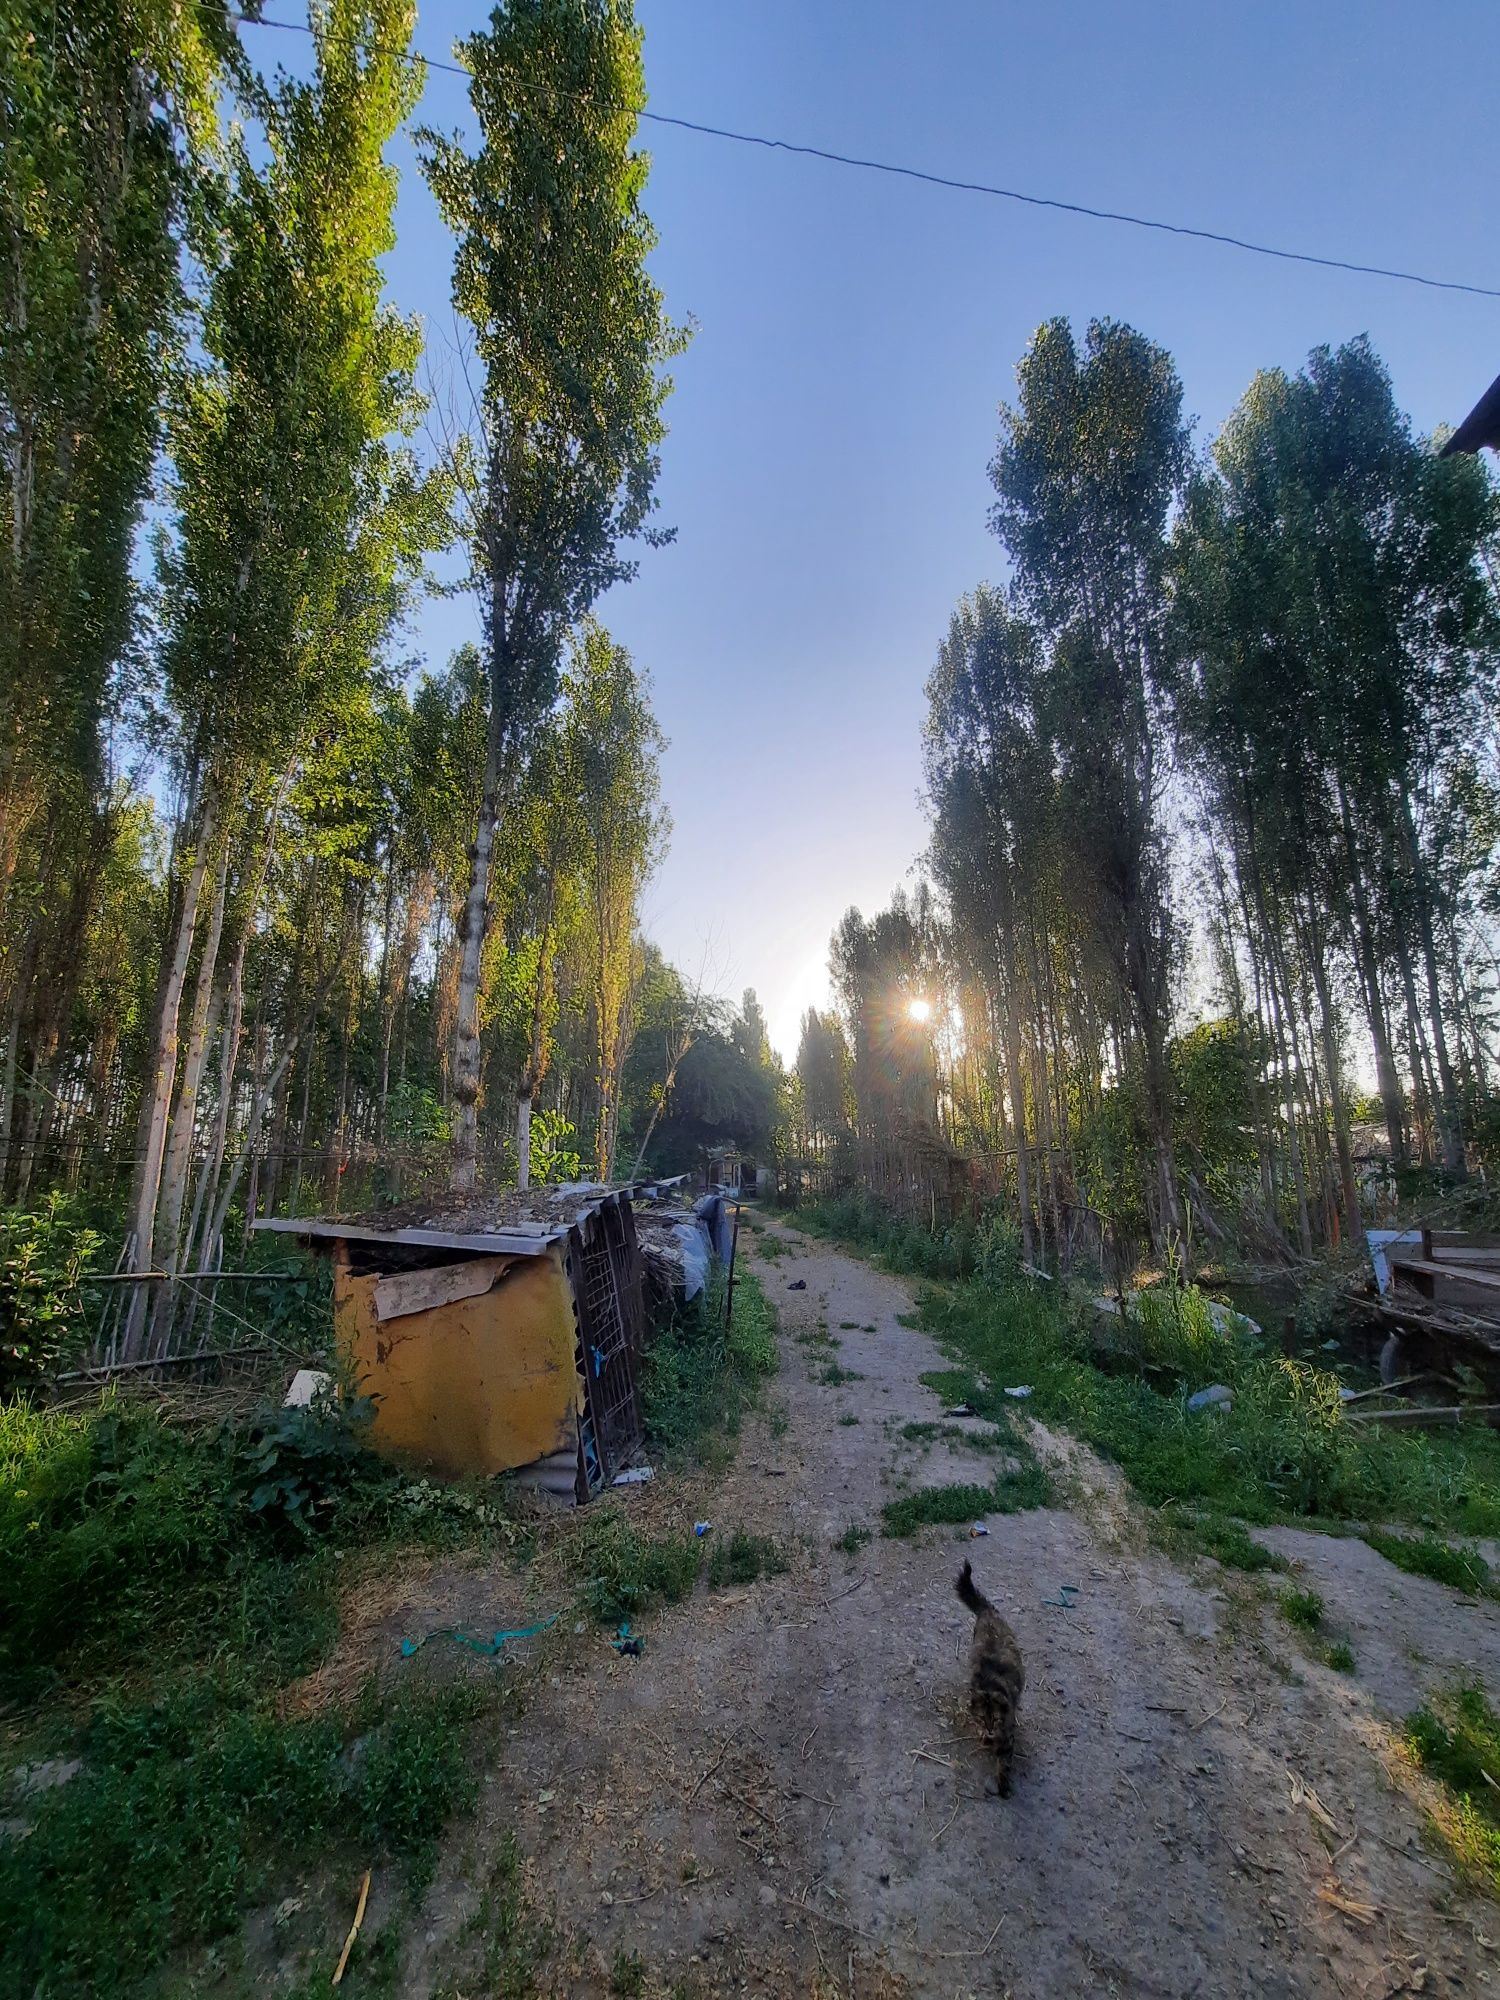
(782, 1796)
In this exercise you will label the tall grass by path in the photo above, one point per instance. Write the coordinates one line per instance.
(1283, 1451)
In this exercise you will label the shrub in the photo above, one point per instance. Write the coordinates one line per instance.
(44, 1253)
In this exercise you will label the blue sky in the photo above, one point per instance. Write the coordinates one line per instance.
(835, 414)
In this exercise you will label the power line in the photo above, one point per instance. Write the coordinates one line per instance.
(988, 188)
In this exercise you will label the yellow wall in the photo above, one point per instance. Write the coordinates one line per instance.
(474, 1387)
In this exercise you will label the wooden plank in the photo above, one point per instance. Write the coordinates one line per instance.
(407, 1292)
(1422, 1417)
(1448, 1284)
(1461, 1239)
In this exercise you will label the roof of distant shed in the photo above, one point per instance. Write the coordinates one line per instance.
(512, 1223)
(1480, 427)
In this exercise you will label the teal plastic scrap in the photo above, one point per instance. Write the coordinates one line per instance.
(487, 1648)
(1063, 1601)
(628, 1644)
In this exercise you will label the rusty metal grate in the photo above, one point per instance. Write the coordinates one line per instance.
(607, 1289)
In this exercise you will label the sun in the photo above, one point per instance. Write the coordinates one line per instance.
(920, 1010)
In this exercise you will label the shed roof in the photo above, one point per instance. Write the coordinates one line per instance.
(511, 1223)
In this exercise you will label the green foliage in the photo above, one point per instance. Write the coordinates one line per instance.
(853, 1539)
(626, 1570)
(1302, 1608)
(1173, 1328)
(1425, 1555)
(904, 1244)
(1283, 1451)
(294, 1470)
(120, 1532)
(739, 1558)
(43, 1254)
(1462, 1750)
(699, 1377)
(554, 1153)
(195, 1807)
(1340, 1657)
(1229, 1542)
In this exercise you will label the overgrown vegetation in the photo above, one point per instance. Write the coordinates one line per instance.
(700, 1376)
(626, 1569)
(739, 1558)
(1281, 1450)
(193, 1807)
(1423, 1555)
(175, 1577)
(1461, 1748)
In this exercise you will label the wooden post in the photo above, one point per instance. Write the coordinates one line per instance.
(734, 1244)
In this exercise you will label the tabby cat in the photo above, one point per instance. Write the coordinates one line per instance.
(997, 1674)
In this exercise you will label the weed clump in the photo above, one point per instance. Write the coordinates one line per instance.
(1013, 1492)
(1302, 1608)
(627, 1570)
(1424, 1555)
(1462, 1750)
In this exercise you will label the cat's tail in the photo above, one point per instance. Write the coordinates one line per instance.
(970, 1592)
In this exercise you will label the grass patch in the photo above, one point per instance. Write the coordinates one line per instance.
(122, 1536)
(1302, 1608)
(700, 1377)
(771, 1248)
(1227, 1541)
(504, 1943)
(1284, 1451)
(1012, 1492)
(171, 1578)
(850, 1326)
(195, 1807)
(627, 1571)
(848, 1418)
(627, 1975)
(831, 1374)
(853, 1539)
(1461, 1749)
(744, 1558)
(1341, 1657)
(1424, 1555)
(996, 1438)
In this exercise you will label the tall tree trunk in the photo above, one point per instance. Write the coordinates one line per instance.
(179, 1155)
(473, 930)
(1349, 1187)
(1386, 1080)
(160, 1081)
(536, 1053)
(1450, 1121)
(1017, 1091)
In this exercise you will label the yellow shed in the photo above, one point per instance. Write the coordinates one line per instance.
(496, 1337)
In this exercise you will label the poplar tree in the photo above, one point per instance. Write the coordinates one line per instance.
(571, 336)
